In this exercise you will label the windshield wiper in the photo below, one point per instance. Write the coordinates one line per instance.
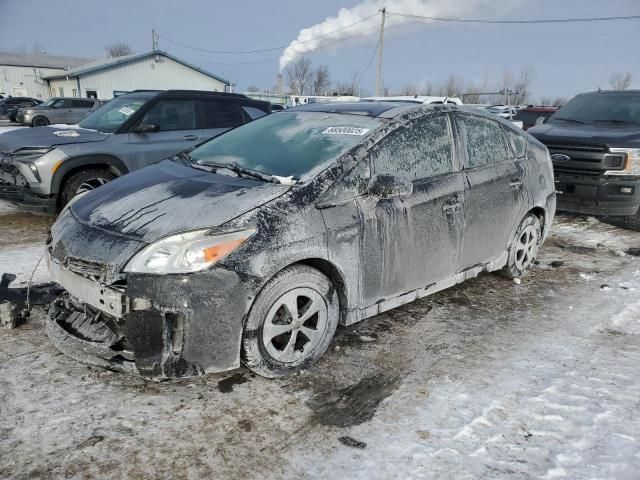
(241, 171)
(615, 121)
(571, 120)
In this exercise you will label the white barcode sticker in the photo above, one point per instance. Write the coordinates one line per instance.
(126, 111)
(345, 131)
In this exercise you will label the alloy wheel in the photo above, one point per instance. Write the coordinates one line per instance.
(526, 247)
(90, 184)
(295, 325)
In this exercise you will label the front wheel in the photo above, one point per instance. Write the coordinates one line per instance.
(524, 247)
(632, 222)
(40, 122)
(82, 182)
(291, 322)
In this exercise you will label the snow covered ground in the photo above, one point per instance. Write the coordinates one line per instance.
(488, 379)
(7, 127)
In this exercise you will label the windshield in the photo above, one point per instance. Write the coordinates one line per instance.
(287, 144)
(601, 108)
(112, 114)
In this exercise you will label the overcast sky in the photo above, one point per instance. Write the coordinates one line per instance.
(565, 58)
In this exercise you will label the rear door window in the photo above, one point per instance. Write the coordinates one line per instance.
(484, 140)
(419, 150)
(518, 143)
(172, 115)
(220, 114)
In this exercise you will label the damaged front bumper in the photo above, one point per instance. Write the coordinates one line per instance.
(14, 188)
(156, 326)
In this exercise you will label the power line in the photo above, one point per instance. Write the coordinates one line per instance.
(344, 39)
(270, 49)
(517, 22)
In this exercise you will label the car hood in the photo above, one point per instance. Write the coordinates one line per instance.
(48, 137)
(169, 198)
(595, 134)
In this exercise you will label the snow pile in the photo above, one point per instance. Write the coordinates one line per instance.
(21, 261)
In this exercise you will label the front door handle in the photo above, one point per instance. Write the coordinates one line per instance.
(515, 184)
(190, 137)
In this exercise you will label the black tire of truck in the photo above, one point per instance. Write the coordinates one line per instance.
(82, 182)
(632, 222)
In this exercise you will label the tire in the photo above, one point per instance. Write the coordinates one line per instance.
(12, 118)
(40, 122)
(83, 182)
(271, 346)
(524, 247)
(632, 222)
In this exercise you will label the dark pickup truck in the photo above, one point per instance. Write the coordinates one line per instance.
(594, 143)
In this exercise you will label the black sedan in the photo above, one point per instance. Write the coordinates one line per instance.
(254, 246)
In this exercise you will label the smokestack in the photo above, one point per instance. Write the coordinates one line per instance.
(279, 83)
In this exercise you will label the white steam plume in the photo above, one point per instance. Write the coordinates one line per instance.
(333, 30)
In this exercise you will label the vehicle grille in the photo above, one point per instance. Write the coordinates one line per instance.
(586, 160)
(9, 192)
(584, 172)
(576, 148)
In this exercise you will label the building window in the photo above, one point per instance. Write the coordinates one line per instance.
(61, 90)
(92, 94)
(74, 92)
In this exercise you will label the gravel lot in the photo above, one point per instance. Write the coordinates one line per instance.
(488, 379)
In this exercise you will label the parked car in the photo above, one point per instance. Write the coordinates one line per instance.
(504, 111)
(9, 106)
(594, 142)
(57, 110)
(43, 168)
(532, 114)
(254, 245)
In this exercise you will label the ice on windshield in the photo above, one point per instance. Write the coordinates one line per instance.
(289, 144)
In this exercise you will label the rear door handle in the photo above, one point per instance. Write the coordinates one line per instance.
(190, 137)
(516, 184)
(451, 207)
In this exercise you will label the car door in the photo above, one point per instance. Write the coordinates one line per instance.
(217, 116)
(177, 130)
(80, 109)
(61, 111)
(493, 195)
(413, 242)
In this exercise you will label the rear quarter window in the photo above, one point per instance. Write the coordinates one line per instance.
(485, 142)
(220, 114)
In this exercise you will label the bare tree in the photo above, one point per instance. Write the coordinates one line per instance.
(451, 87)
(118, 49)
(620, 81)
(321, 81)
(522, 86)
(472, 94)
(426, 89)
(408, 90)
(349, 87)
(299, 76)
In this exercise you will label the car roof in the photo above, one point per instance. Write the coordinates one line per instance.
(369, 109)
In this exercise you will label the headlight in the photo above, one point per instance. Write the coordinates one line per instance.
(26, 111)
(631, 164)
(186, 252)
(29, 154)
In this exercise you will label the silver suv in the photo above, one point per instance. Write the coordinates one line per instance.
(57, 110)
(41, 169)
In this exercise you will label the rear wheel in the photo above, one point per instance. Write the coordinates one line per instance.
(82, 182)
(524, 247)
(40, 122)
(291, 322)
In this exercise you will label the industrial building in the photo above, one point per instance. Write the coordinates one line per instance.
(23, 74)
(40, 76)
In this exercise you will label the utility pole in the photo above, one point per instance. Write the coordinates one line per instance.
(380, 47)
(154, 40)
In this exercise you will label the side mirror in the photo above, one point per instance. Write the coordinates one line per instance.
(540, 120)
(146, 128)
(390, 186)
